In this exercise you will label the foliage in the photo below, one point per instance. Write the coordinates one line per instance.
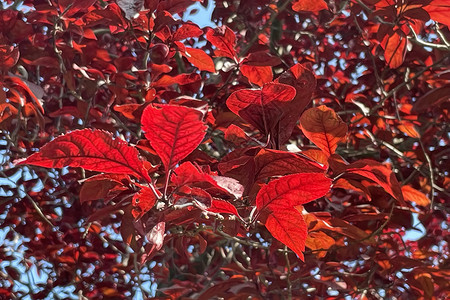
(284, 153)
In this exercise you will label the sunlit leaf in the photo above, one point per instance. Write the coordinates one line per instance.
(289, 227)
(292, 190)
(93, 150)
(173, 131)
(413, 195)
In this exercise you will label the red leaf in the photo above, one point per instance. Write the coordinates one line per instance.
(323, 127)
(223, 207)
(181, 79)
(439, 10)
(256, 74)
(143, 201)
(102, 186)
(432, 99)
(413, 195)
(173, 131)
(288, 226)
(304, 82)
(394, 49)
(187, 30)
(262, 58)
(93, 150)
(224, 40)
(200, 59)
(309, 5)
(378, 173)
(236, 135)
(9, 56)
(277, 163)
(262, 108)
(189, 175)
(292, 190)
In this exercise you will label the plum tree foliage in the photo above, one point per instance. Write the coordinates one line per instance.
(296, 149)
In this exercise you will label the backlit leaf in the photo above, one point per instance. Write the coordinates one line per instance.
(173, 131)
(394, 49)
(93, 150)
(292, 190)
(143, 201)
(289, 227)
(200, 59)
(309, 5)
(224, 39)
(319, 240)
(439, 10)
(323, 127)
(223, 207)
(258, 75)
(276, 163)
(304, 82)
(413, 195)
(378, 173)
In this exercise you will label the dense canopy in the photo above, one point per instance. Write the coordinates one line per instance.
(292, 149)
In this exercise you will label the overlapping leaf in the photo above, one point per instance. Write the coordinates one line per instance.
(262, 108)
(200, 59)
(292, 190)
(439, 11)
(378, 173)
(323, 127)
(173, 131)
(93, 150)
(224, 39)
(143, 201)
(304, 82)
(277, 163)
(289, 227)
(394, 46)
(309, 5)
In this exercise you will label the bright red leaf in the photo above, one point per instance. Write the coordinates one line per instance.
(292, 190)
(258, 75)
(224, 39)
(394, 46)
(223, 207)
(94, 150)
(173, 131)
(378, 173)
(143, 201)
(309, 5)
(288, 226)
(439, 11)
(200, 59)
